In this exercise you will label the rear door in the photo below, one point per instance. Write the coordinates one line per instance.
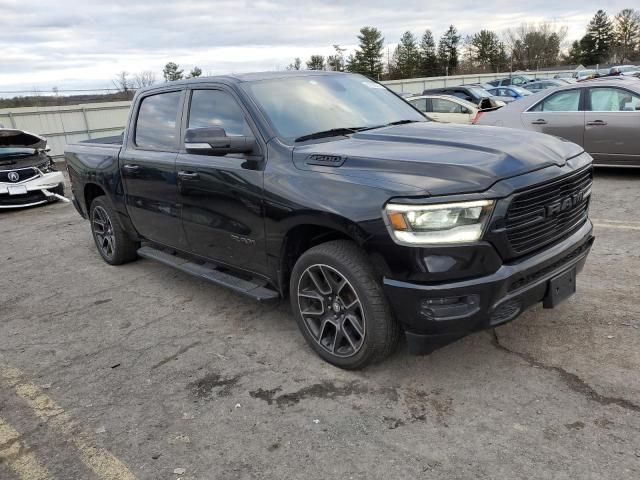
(560, 113)
(148, 166)
(221, 196)
(612, 125)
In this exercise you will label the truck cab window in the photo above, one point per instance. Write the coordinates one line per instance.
(215, 108)
(156, 123)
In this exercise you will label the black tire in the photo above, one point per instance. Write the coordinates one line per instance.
(319, 314)
(113, 244)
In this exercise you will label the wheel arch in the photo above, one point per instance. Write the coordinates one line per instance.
(304, 233)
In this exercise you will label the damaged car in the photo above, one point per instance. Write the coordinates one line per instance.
(27, 173)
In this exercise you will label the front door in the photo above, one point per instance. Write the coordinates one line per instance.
(221, 196)
(612, 126)
(448, 111)
(148, 166)
(559, 114)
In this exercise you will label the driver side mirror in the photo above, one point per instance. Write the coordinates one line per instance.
(214, 141)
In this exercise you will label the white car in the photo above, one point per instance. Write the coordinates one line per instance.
(27, 173)
(445, 108)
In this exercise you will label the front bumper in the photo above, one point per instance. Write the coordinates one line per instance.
(30, 192)
(434, 315)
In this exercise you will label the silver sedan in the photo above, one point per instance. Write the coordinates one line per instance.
(601, 115)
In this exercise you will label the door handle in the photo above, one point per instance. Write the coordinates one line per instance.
(597, 122)
(188, 175)
(131, 168)
(540, 121)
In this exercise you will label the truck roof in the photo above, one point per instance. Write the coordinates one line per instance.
(244, 77)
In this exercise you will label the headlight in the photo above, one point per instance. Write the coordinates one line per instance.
(458, 222)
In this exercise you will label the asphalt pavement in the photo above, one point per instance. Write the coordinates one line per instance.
(141, 371)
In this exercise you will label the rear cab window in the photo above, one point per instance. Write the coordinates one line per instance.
(157, 123)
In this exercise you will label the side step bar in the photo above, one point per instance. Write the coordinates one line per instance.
(210, 273)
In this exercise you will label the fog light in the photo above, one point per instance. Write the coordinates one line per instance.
(449, 308)
(505, 312)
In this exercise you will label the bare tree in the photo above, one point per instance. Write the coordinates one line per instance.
(144, 79)
(122, 82)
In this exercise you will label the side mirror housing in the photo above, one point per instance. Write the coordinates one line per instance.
(214, 141)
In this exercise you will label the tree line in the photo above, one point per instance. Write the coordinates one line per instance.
(527, 47)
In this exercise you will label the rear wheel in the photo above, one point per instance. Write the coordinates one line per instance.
(340, 307)
(112, 242)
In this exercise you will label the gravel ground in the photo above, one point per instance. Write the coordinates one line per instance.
(143, 372)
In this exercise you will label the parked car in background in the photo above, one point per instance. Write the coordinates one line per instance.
(624, 70)
(565, 76)
(585, 75)
(603, 116)
(445, 108)
(539, 85)
(27, 173)
(517, 80)
(512, 91)
(471, 93)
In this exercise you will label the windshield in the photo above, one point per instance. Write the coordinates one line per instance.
(16, 152)
(479, 92)
(302, 105)
(521, 91)
(628, 68)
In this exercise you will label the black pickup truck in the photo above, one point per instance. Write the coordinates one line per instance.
(331, 190)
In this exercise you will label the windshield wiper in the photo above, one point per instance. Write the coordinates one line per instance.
(333, 132)
(345, 131)
(398, 122)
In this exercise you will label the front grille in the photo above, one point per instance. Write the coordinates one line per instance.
(22, 199)
(549, 212)
(23, 174)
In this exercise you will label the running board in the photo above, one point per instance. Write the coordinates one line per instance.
(210, 273)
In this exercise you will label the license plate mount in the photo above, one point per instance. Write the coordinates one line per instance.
(17, 189)
(560, 288)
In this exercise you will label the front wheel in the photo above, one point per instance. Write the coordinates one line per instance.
(340, 307)
(113, 244)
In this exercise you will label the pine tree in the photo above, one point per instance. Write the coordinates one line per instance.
(316, 62)
(428, 57)
(448, 51)
(486, 49)
(407, 56)
(597, 44)
(171, 72)
(626, 29)
(575, 55)
(368, 57)
(195, 72)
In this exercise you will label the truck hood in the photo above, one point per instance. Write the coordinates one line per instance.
(435, 158)
(11, 138)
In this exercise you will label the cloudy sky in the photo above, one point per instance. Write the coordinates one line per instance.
(83, 44)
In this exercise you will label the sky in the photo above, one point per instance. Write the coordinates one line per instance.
(83, 44)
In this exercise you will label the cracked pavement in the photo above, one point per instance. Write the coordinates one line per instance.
(141, 370)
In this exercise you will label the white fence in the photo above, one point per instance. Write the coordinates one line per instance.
(69, 124)
(418, 85)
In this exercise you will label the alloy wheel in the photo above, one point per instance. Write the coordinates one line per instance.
(103, 230)
(331, 310)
